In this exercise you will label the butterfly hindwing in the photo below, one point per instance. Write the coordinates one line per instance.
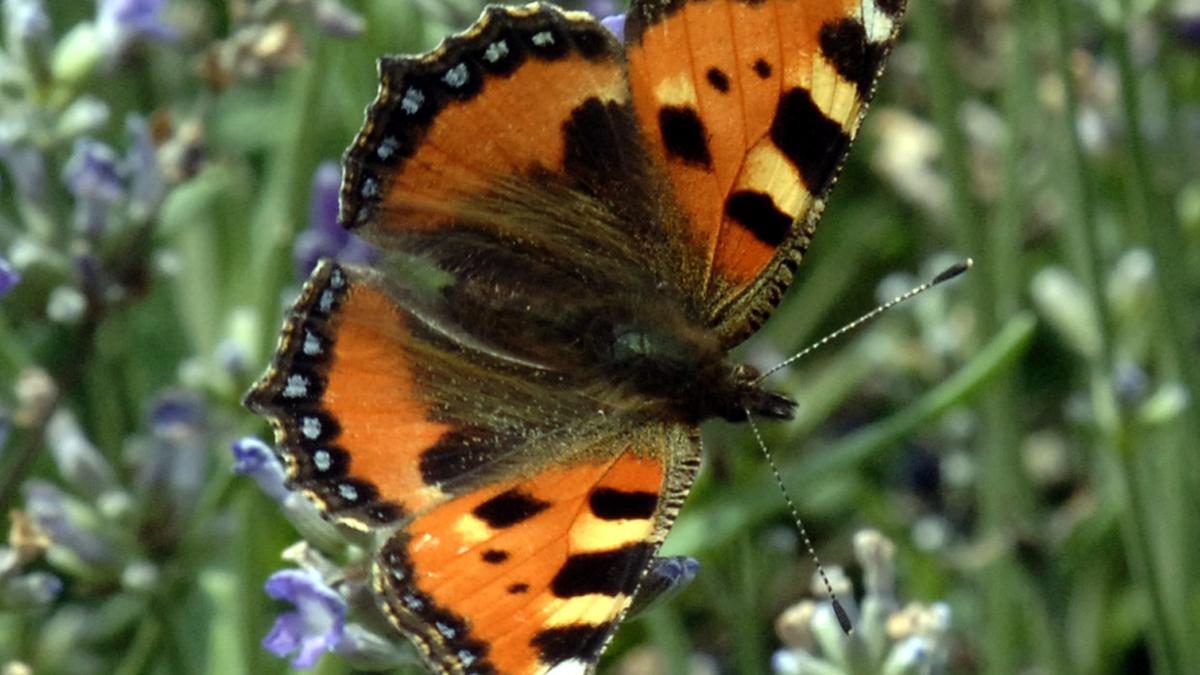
(532, 575)
(752, 105)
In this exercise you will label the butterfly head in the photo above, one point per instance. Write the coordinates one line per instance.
(748, 396)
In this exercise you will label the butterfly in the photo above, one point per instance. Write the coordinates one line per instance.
(576, 229)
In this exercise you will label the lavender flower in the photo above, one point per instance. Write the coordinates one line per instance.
(26, 21)
(79, 462)
(325, 238)
(63, 520)
(147, 185)
(173, 462)
(314, 627)
(120, 23)
(336, 19)
(615, 24)
(886, 639)
(9, 277)
(253, 458)
(35, 589)
(25, 163)
(92, 174)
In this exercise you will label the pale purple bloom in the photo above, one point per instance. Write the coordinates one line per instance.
(120, 23)
(338, 20)
(92, 172)
(79, 461)
(35, 589)
(314, 627)
(325, 238)
(253, 458)
(172, 467)
(48, 507)
(26, 20)
(146, 184)
(1188, 27)
(600, 8)
(25, 163)
(9, 276)
(615, 24)
(93, 175)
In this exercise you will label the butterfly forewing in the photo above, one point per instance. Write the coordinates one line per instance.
(752, 105)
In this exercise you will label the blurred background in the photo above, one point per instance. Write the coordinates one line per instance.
(1001, 476)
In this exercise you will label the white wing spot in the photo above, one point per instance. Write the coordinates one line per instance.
(337, 279)
(412, 602)
(569, 667)
(348, 492)
(456, 76)
(326, 301)
(413, 98)
(466, 658)
(370, 188)
(322, 460)
(297, 387)
(387, 147)
(445, 630)
(543, 39)
(496, 51)
(310, 427)
(312, 344)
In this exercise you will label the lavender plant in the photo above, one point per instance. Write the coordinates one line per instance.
(1023, 443)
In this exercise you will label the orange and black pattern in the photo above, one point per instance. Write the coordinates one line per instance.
(575, 233)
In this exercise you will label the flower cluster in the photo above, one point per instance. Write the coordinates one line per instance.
(333, 608)
(887, 638)
(99, 531)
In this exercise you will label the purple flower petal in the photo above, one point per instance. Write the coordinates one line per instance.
(315, 625)
(325, 238)
(80, 463)
(146, 183)
(9, 277)
(26, 20)
(49, 509)
(92, 173)
(120, 23)
(174, 460)
(615, 24)
(93, 176)
(253, 458)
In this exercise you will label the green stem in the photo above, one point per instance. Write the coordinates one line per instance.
(281, 207)
(1171, 277)
(140, 649)
(1003, 497)
(1084, 237)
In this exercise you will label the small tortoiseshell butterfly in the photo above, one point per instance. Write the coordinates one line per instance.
(575, 233)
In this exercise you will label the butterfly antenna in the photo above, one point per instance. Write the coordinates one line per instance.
(842, 617)
(943, 276)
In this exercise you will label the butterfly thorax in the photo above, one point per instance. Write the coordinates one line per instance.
(682, 374)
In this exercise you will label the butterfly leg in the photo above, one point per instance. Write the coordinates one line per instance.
(666, 576)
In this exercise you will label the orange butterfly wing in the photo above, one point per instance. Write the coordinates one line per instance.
(533, 575)
(516, 552)
(447, 125)
(752, 105)
(519, 493)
